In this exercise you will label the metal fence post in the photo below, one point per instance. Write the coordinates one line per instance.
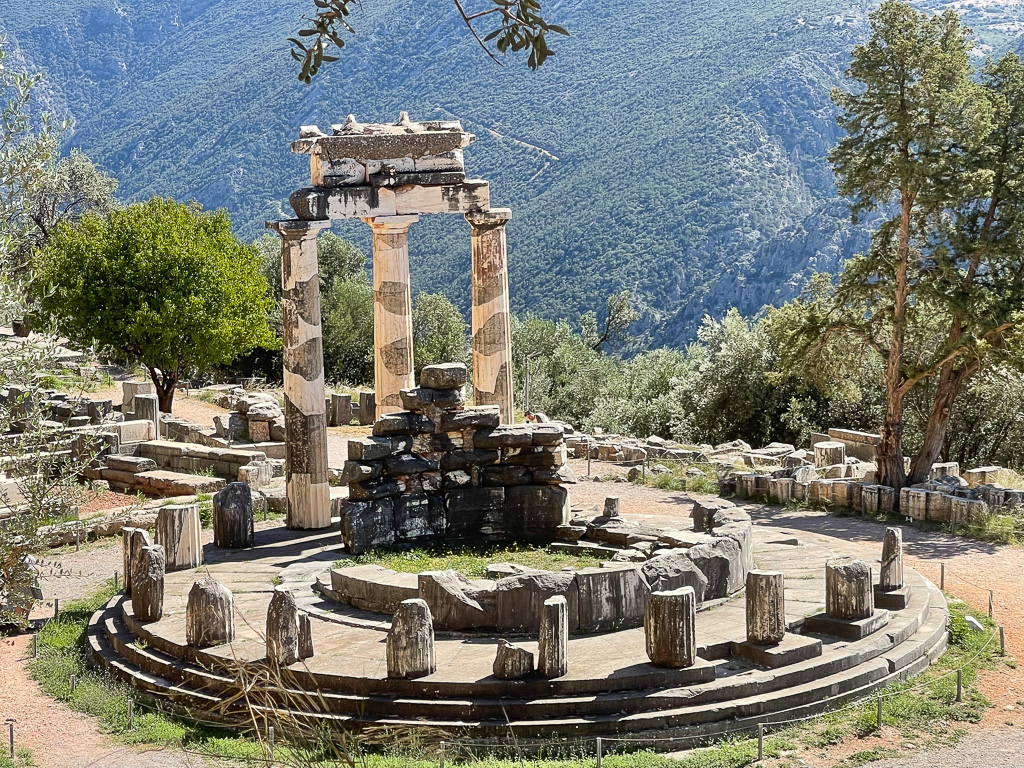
(131, 714)
(441, 761)
(959, 685)
(942, 576)
(760, 742)
(1002, 640)
(270, 741)
(879, 714)
(598, 752)
(11, 724)
(991, 603)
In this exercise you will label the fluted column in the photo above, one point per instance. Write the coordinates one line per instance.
(492, 332)
(308, 492)
(392, 311)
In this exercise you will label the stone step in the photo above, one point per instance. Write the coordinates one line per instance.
(131, 464)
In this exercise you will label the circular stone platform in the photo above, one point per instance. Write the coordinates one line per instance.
(611, 688)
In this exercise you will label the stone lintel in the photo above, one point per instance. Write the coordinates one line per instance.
(493, 217)
(390, 224)
(847, 630)
(893, 599)
(360, 202)
(791, 650)
(375, 146)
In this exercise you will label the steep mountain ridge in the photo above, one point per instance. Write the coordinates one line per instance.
(675, 149)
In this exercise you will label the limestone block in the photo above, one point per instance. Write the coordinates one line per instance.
(305, 636)
(283, 629)
(849, 593)
(126, 559)
(147, 408)
(231, 425)
(554, 638)
(475, 511)
(721, 562)
(405, 464)
(743, 535)
(611, 598)
(367, 409)
(360, 471)
(828, 453)
(410, 643)
(672, 569)
(780, 489)
(477, 417)
(511, 662)
(375, 448)
(233, 524)
(130, 390)
(264, 410)
(382, 489)
(914, 503)
(419, 516)
(553, 433)
(507, 474)
(456, 602)
(443, 376)
(259, 431)
(505, 436)
(670, 628)
(521, 599)
(179, 531)
(555, 475)
(402, 423)
(373, 587)
(209, 614)
(535, 511)
(341, 410)
(454, 461)
(891, 573)
(704, 513)
(965, 510)
(148, 584)
(766, 613)
(367, 525)
(256, 474)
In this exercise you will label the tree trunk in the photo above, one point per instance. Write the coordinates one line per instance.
(165, 384)
(938, 421)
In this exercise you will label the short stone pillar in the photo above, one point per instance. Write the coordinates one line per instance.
(341, 410)
(179, 531)
(137, 539)
(148, 584)
(209, 614)
(288, 636)
(492, 333)
(828, 453)
(392, 311)
(410, 644)
(126, 559)
(848, 589)
(511, 662)
(147, 408)
(670, 628)
(612, 506)
(766, 608)
(554, 637)
(233, 526)
(132, 388)
(367, 413)
(305, 415)
(891, 573)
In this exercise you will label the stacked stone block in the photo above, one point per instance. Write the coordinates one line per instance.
(440, 469)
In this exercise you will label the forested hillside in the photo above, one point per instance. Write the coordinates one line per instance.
(676, 149)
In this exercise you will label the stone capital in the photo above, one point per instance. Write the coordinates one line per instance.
(297, 229)
(391, 225)
(484, 220)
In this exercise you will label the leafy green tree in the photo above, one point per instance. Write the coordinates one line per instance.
(644, 404)
(514, 25)
(620, 314)
(73, 187)
(161, 282)
(914, 116)
(440, 333)
(347, 316)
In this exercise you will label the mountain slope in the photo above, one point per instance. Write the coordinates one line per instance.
(673, 148)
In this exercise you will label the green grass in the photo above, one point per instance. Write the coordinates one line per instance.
(22, 756)
(677, 480)
(471, 561)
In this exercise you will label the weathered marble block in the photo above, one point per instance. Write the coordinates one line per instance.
(179, 532)
(670, 628)
(766, 612)
(829, 453)
(849, 594)
(410, 643)
(233, 519)
(288, 637)
(148, 584)
(554, 637)
(511, 662)
(891, 574)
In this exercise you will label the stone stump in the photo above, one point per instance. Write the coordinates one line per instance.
(828, 453)
(148, 584)
(341, 410)
(147, 408)
(126, 559)
(670, 628)
(848, 590)
(289, 636)
(179, 531)
(512, 662)
(367, 408)
(766, 613)
(891, 574)
(611, 506)
(233, 525)
(209, 614)
(131, 389)
(138, 538)
(554, 637)
(410, 644)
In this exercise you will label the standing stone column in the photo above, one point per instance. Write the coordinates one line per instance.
(392, 311)
(554, 637)
(209, 614)
(305, 416)
(492, 333)
(670, 627)
(148, 584)
(179, 531)
(829, 453)
(233, 524)
(137, 539)
(766, 609)
(288, 632)
(147, 408)
(341, 410)
(891, 576)
(849, 594)
(126, 557)
(410, 644)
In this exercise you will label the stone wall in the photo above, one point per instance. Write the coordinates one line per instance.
(442, 470)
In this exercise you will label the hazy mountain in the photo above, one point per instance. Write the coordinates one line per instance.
(672, 147)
